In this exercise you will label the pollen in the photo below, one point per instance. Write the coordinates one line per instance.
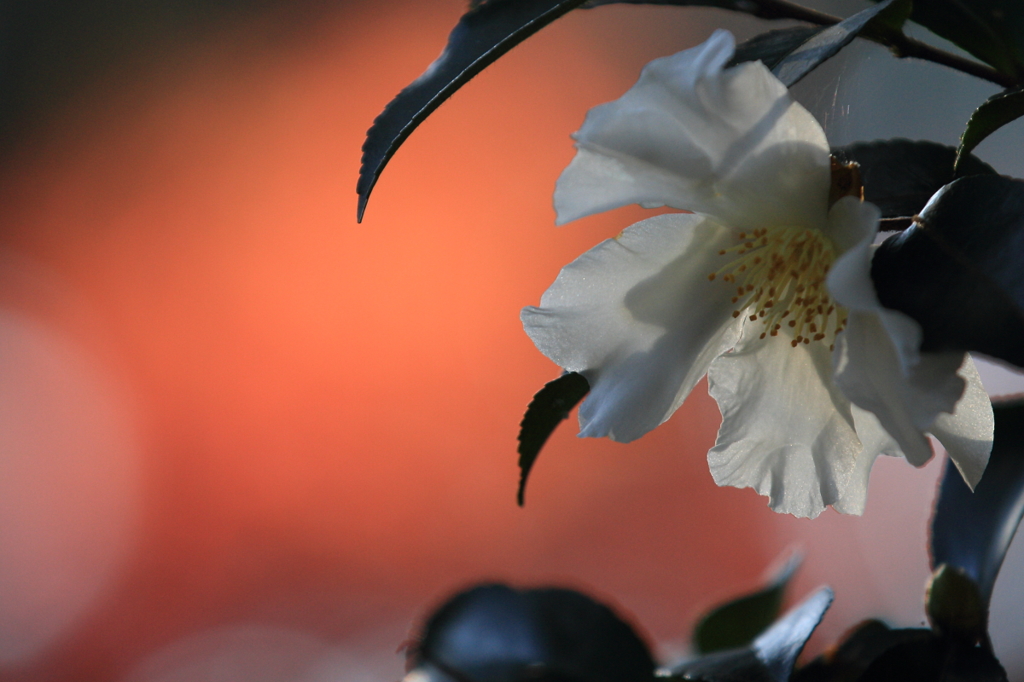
(779, 276)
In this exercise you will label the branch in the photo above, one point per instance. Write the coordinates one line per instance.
(909, 47)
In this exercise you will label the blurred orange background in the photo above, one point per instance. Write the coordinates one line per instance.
(233, 410)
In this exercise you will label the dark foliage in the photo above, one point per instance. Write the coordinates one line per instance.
(739, 621)
(770, 657)
(972, 531)
(493, 633)
(549, 408)
(486, 32)
(900, 176)
(957, 270)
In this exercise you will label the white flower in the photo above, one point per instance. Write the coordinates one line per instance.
(764, 287)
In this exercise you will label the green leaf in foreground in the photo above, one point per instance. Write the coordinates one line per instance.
(738, 622)
(997, 111)
(546, 411)
(957, 270)
(487, 31)
(770, 657)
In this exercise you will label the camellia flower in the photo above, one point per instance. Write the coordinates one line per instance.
(765, 287)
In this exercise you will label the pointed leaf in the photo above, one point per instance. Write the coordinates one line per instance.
(738, 622)
(493, 633)
(546, 411)
(899, 176)
(997, 111)
(781, 644)
(826, 43)
(972, 531)
(771, 657)
(771, 47)
(957, 270)
(486, 32)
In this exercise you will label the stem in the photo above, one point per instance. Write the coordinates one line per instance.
(895, 224)
(909, 47)
(901, 45)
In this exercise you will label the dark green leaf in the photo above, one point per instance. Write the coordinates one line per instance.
(492, 633)
(873, 652)
(991, 30)
(772, 46)
(771, 657)
(996, 112)
(827, 42)
(857, 651)
(899, 176)
(482, 35)
(546, 411)
(972, 531)
(934, 659)
(738, 622)
(957, 271)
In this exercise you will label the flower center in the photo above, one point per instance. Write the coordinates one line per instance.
(779, 274)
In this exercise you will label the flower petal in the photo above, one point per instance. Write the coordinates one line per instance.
(638, 317)
(967, 433)
(729, 144)
(906, 402)
(875, 441)
(849, 280)
(787, 431)
(879, 366)
(853, 224)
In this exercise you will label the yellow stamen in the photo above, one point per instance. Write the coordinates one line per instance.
(780, 273)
